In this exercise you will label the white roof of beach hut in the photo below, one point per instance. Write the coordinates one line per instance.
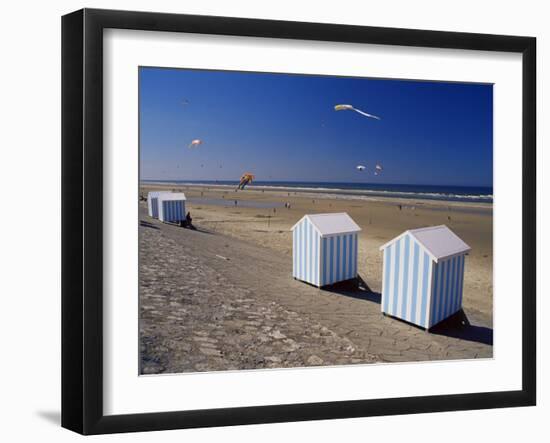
(172, 196)
(439, 241)
(331, 224)
(155, 194)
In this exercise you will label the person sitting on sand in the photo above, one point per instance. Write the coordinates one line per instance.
(188, 222)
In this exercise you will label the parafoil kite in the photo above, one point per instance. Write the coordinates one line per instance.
(351, 108)
(195, 143)
(246, 178)
(360, 167)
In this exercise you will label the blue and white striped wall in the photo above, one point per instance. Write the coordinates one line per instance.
(305, 253)
(406, 281)
(447, 288)
(171, 210)
(322, 261)
(417, 289)
(338, 258)
(152, 203)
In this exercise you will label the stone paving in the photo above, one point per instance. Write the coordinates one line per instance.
(210, 302)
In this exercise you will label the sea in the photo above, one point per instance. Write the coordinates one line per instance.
(475, 194)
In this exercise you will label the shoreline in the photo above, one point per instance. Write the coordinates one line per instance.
(325, 194)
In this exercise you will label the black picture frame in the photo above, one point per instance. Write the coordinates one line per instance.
(82, 218)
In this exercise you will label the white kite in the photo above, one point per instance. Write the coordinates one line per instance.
(378, 169)
(351, 108)
(195, 143)
(360, 167)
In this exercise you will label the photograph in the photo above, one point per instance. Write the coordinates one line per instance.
(291, 220)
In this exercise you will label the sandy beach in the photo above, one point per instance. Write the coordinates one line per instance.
(256, 224)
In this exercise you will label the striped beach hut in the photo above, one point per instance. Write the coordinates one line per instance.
(423, 275)
(171, 206)
(324, 248)
(152, 203)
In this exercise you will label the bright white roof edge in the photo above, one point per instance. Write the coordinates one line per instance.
(331, 223)
(172, 196)
(431, 240)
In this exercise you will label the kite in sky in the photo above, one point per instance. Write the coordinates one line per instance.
(378, 169)
(360, 167)
(351, 108)
(195, 143)
(246, 178)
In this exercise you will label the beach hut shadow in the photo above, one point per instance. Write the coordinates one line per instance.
(355, 288)
(146, 224)
(458, 326)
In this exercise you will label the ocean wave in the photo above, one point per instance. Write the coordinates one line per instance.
(442, 195)
(339, 192)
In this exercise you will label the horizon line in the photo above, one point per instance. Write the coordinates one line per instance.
(313, 181)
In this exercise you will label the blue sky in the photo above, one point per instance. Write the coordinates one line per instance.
(284, 127)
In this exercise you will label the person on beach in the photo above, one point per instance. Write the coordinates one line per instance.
(188, 222)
